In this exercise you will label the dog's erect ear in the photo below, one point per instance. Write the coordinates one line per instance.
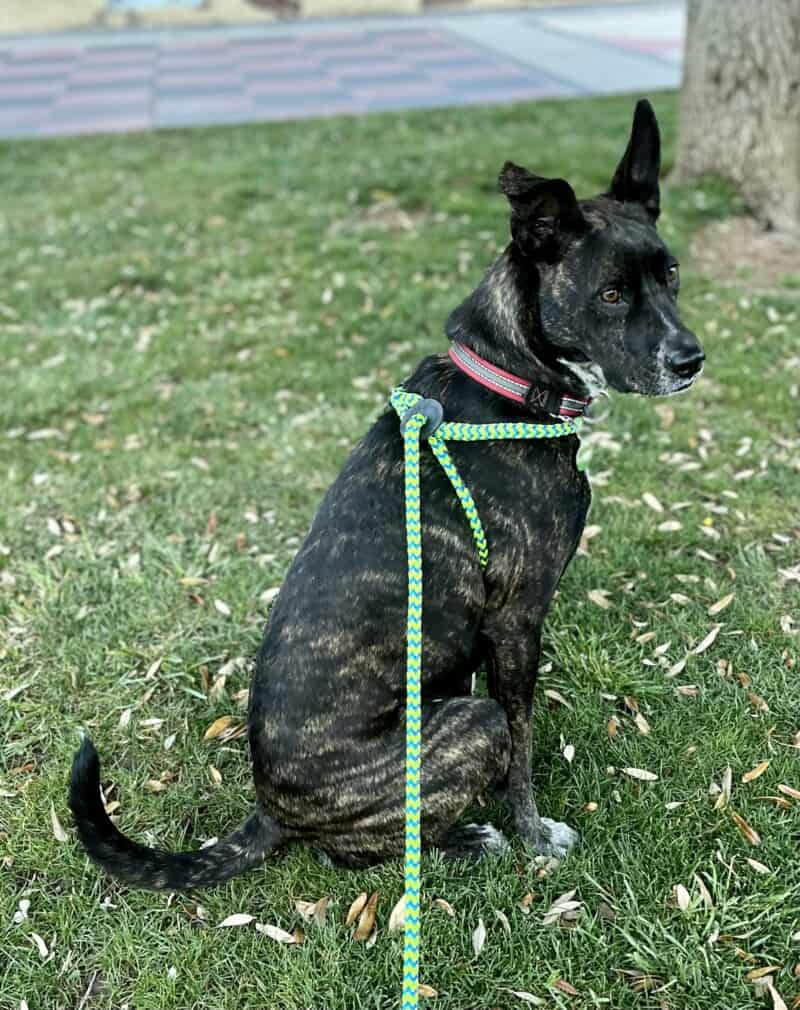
(544, 212)
(636, 177)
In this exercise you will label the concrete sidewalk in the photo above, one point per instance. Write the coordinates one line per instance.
(88, 83)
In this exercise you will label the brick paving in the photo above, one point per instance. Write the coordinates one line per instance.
(89, 83)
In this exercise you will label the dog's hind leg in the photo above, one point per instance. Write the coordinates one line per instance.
(466, 748)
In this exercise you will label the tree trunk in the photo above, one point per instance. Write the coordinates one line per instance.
(740, 104)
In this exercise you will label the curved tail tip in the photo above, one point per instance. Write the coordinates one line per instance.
(84, 781)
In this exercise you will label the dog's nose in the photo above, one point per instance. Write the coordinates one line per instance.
(686, 358)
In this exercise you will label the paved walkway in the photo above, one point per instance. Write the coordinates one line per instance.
(88, 83)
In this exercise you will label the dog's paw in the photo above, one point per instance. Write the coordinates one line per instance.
(473, 841)
(558, 840)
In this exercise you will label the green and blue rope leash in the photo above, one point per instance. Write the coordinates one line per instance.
(420, 418)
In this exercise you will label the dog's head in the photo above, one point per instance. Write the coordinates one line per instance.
(605, 284)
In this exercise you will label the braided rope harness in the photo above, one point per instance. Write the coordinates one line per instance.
(422, 419)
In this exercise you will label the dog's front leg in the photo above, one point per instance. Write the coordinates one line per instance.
(512, 666)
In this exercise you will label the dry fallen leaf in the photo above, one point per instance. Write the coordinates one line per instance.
(725, 793)
(569, 753)
(681, 896)
(652, 502)
(479, 937)
(758, 867)
(366, 920)
(757, 701)
(445, 906)
(427, 991)
(525, 904)
(237, 919)
(755, 973)
(749, 833)
(527, 997)
(708, 641)
(41, 945)
(640, 773)
(356, 909)
(59, 833)
(313, 911)
(502, 918)
(564, 903)
(599, 597)
(642, 724)
(789, 791)
(397, 918)
(218, 727)
(277, 934)
(720, 605)
(565, 986)
(557, 696)
(756, 772)
(222, 607)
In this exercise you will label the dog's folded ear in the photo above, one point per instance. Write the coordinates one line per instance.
(636, 177)
(544, 212)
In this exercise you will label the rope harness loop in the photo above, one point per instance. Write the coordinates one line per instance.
(422, 419)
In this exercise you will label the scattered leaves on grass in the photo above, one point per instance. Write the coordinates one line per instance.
(356, 908)
(397, 918)
(640, 773)
(527, 997)
(681, 897)
(479, 937)
(652, 502)
(279, 935)
(708, 641)
(427, 991)
(237, 919)
(642, 724)
(59, 833)
(41, 946)
(313, 911)
(639, 981)
(524, 905)
(757, 701)
(366, 920)
(502, 918)
(554, 695)
(789, 791)
(769, 969)
(218, 727)
(600, 598)
(445, 906)
(747, 831)
(758, 867)
(756, 772)
(565, 986)
(222, 608)
(720, 605)
(563, 904)
(724, 797)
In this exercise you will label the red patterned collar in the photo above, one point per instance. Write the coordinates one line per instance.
(514, 388)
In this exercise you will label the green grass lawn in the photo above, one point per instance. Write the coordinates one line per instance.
(195, 327)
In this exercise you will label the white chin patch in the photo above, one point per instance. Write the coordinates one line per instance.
(590, 374)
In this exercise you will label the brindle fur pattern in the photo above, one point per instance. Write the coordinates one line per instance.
(326, 720)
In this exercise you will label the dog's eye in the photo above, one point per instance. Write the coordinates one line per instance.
(612, 296)
(673, 272)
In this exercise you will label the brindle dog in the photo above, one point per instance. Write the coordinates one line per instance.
(583, 297)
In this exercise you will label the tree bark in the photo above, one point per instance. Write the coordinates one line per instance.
(740, 103)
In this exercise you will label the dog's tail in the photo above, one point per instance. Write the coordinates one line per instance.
(139, 866)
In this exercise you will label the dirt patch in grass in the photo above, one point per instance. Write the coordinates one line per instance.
(737, 251)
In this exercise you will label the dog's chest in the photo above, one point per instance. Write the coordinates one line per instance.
(533, 502)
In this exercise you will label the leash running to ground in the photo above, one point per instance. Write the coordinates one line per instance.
(422, 419)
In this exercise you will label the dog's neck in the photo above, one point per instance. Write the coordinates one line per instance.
(500, 322)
